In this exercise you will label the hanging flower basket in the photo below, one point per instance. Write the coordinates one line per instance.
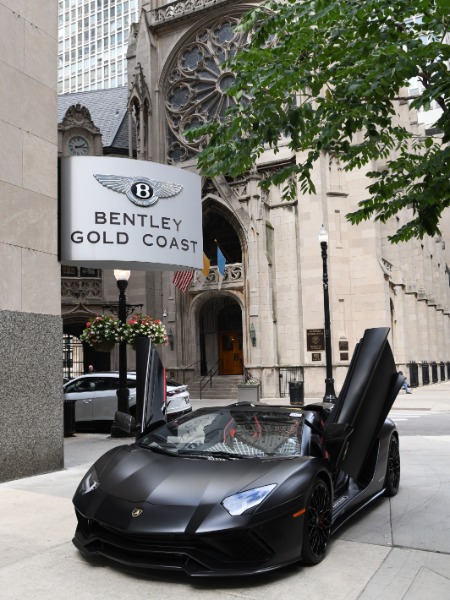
(144, 326)
(102, 333)
(103, 346)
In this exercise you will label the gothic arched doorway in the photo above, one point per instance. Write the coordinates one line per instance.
(221, 339)
(77, 356)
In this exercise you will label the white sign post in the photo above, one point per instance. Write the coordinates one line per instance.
(133, 214)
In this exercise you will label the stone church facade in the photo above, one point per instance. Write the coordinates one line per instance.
(271, 299)
(265, 315)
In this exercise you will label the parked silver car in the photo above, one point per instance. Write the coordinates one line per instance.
(96, 398)
(178, 401)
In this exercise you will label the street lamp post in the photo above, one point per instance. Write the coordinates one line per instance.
(330, 395)
(123, 392)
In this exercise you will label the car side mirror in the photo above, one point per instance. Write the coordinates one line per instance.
(125, 422)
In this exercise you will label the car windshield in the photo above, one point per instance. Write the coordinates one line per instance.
(230, 433)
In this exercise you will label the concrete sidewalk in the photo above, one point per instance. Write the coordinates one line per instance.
(431, 397)
(398, 549)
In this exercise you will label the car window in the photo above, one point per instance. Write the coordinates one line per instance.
(97, 384)
(81, 385)
(106, 383)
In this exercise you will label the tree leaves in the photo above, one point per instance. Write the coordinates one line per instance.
(444, 5)
(316, 74)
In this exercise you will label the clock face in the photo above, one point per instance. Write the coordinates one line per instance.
(78, 145)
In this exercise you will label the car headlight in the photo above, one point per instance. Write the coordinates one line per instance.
(90, 482)
(239, 503)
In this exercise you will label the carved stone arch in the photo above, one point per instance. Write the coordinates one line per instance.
(199, 301)
(222, 227)
(77, 355)
(209, 335)
(78, 116)
(240, 221)
(193, 80)
(78, 315)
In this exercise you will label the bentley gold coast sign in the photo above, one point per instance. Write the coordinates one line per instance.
(132, 213)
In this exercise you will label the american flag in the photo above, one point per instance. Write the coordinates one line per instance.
(183, 279)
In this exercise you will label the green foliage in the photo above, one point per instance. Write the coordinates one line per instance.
(324, 76)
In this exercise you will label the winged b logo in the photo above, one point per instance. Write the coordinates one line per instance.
(139, 190)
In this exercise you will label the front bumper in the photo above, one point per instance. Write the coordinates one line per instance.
(255, 546)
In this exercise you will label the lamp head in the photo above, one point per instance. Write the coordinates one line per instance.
(121, 275)
(323, 236)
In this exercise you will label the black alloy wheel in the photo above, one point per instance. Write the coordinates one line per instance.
(392, 480)
(317, 523)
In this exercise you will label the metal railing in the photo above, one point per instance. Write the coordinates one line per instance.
(413, 374)
(425, 373)
(209, 376)
(434, 372)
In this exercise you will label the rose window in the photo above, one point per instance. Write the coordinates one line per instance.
(196, 86)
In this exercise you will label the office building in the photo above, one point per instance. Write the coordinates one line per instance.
(92, 43)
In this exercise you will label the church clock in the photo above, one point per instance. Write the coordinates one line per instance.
(78, 145)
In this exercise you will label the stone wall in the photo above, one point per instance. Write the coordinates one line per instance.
(31, 409)
(31, 400)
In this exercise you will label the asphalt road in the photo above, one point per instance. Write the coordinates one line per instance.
(421, 422)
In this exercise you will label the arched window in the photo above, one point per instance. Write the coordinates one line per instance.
(196, 84)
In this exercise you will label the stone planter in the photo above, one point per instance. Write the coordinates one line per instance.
(248, 392)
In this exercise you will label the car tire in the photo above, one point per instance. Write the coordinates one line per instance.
(392, 479)
(317, 523)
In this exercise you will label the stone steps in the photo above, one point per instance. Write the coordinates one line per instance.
(223, 387)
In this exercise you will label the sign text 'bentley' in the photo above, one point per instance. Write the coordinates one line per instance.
(133, 221)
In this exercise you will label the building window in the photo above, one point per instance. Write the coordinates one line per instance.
(67, 271)
(196, 86)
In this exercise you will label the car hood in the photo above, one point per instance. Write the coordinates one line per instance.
(180, 495)
(141, 475)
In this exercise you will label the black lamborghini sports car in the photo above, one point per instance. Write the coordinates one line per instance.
(245, 488)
